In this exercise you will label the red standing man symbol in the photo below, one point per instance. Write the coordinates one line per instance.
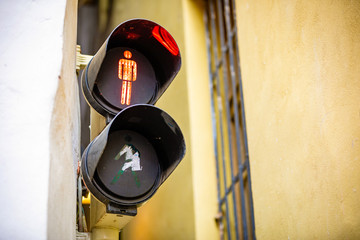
(127, 73)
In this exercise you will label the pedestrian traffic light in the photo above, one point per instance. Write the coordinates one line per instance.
(133, 156)
(142, 144)
(136, 64)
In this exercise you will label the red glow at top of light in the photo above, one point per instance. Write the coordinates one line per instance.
(165, 39)
(131, 35)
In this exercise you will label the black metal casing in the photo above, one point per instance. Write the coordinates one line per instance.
(150, 135)
(136, 34)
(158, 128)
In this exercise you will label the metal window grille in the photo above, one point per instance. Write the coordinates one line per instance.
(236, 215)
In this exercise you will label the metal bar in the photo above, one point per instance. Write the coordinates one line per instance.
(80, 207)
(217, 112)
(236, 118)
(211, 86)
(225, 48)
(244, 126)
(220, 62)
(234, 181)
(229, 190)
(216, 70)
(218, 93)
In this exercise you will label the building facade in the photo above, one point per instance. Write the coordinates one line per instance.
(299, 106)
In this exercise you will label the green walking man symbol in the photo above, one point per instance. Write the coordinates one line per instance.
(132, 161)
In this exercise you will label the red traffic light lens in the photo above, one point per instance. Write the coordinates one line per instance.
(125, 78)
(135, 65)
(165, 39)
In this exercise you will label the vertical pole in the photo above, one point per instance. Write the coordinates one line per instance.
(97, 123)
(243, 120)
(97, 209)
(105, 234)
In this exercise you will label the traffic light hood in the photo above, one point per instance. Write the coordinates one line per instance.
(155, 147)
(146, 38)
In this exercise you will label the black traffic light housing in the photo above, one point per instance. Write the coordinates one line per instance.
(149, 130)
(157, 56)
(141, 145)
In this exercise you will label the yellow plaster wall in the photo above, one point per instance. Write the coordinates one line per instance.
(202, 149)
(301, 77)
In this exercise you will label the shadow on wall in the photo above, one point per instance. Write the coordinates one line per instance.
(92, 29)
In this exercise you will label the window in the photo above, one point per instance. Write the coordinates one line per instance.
(236, 215)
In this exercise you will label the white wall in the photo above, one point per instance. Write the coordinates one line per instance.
(31, 54)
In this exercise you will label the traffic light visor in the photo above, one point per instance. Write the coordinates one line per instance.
(135, 65)
(127, 162)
